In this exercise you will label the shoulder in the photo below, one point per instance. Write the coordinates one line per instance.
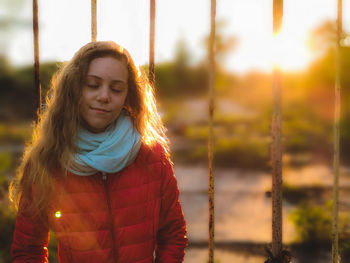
(156, 159)
(153, 153)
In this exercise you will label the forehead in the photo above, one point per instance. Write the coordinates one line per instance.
(109, 68)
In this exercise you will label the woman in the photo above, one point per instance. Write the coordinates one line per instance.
(97, 172)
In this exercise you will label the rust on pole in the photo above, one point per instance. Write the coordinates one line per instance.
(151, 75)
(93, 21)
(36, 57)
(335, 245)
(276, 156)
(211, 131)
(276, 149)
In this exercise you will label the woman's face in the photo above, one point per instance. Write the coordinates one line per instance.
(104, 92)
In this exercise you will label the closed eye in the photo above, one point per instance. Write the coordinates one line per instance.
(118, 87)
(116, 90)
(92, 86)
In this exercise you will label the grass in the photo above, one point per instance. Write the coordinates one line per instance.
(313, 224)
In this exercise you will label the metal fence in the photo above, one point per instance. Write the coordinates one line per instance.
(277, 253)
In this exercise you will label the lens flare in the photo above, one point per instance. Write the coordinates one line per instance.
(58, 214)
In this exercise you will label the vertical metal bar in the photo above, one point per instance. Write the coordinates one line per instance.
(276, 149)
(277, 15)
(211, 132)
(36, 57)
(276, 157)
(335, 250)
(93, 21)
(151, 75)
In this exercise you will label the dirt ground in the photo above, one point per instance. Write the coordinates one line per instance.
(242, 207)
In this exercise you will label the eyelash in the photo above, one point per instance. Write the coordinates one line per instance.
(96, 86)
(116, 90)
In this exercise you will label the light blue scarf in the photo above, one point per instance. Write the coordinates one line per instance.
(109, 151)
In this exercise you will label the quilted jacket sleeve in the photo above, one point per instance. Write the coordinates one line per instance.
(171, 236)
(30, 240)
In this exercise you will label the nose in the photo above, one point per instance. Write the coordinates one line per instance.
(103, 94)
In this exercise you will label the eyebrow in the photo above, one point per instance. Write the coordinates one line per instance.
(113, 81)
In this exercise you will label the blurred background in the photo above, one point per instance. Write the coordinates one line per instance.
(245, 55)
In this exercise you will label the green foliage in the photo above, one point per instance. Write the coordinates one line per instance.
(7, 216)
(177, 80)
(313, 223)
(18, 96)
(5, 161)
(46, 72)
(303, 130)
(234, 145)
(293, 193)
(244, 152)
(224, 44)
(298, 194)
(165, 79)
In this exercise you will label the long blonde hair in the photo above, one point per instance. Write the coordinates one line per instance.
(53, 142)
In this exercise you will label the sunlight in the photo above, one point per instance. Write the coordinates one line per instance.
(289, 51)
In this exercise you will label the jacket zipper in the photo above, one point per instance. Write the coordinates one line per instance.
(104, 178)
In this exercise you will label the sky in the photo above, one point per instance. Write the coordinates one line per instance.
(65, 25)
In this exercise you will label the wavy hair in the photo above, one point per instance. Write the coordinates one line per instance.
(53, 142)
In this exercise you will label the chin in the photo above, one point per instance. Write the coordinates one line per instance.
(95, 128)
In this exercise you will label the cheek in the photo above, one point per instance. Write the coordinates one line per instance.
(120, 101)
(86, 95)
(83, 106)
(83, 113)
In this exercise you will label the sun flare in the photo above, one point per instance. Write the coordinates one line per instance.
(289, 51)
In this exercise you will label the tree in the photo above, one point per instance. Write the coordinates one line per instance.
(224, 44)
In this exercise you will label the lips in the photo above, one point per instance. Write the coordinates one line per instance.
(100, 110)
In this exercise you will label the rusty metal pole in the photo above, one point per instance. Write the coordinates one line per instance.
(276, 149)
(37, 85)
(335, 249)
(211, 246)
(151, 74)
(93, 21)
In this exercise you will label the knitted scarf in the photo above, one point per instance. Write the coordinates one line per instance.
(109, 151)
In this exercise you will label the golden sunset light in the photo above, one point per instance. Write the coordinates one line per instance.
(250, 22)
(289, 52)
(118, 118)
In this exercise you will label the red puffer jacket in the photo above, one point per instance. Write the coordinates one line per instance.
(131, 216)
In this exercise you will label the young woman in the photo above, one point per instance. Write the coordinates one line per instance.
(97, 172)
